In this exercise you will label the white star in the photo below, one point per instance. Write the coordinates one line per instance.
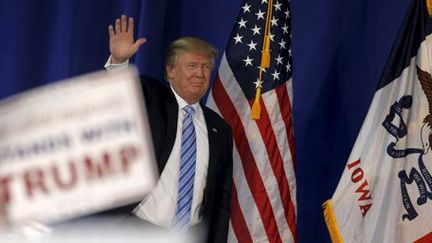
(278, 6)
(260, 15)
(258, 84)
(246, 8)
(252, 45)
(248, 61)
(274, 21)
(287, 13)
(279, 59)
(289, 51)
(288, 67)
(238, 38)
(264, 1)
(262, 69)
(282, 44)
(271, 37)
(275, 75)
(242, 23)
(285, 28)
(256, 30)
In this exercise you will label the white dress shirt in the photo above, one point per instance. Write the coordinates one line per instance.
(159, 206)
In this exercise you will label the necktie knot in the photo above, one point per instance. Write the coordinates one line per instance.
(189, 110)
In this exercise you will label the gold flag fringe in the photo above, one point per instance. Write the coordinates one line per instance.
(265, 63)
(429, 6)
(331, 223)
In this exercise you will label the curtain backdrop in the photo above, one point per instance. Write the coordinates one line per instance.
(339, 50)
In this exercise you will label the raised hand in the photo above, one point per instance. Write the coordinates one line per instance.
(122, 45)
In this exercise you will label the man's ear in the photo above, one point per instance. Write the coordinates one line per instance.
(169, 71)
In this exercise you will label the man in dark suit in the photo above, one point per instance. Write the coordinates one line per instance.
(173, 111)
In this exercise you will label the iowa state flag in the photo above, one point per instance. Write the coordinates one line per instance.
(385, 193)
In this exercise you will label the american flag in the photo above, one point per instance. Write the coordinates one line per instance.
(264, 189)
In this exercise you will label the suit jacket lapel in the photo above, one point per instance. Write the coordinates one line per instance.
(171, 107)
(212, 134)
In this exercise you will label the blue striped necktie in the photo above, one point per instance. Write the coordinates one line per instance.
(187, 172)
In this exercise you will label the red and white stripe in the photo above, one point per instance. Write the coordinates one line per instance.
(264, 189)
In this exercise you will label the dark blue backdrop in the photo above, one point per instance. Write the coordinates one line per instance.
(339, 50)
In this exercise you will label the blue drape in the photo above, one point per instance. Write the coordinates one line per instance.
(339, 50)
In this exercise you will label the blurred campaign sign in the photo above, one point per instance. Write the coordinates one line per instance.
(75, 147)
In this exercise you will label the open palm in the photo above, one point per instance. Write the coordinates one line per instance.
(122, 44)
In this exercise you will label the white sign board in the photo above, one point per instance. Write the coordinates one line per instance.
(75, 147)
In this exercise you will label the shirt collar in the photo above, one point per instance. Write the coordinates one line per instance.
(182, 103)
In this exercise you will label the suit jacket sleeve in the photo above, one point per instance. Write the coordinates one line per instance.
(220, 224)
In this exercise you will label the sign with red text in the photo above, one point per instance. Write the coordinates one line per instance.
(75, 147)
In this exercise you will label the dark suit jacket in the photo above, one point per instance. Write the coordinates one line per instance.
(162, 109)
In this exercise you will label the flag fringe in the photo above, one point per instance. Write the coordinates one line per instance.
(429, 6)
(256, 107)
(331, 223)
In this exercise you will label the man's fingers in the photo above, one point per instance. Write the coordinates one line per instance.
(131, 25)
(117, 26)
(123, 23)
(139, 42)
(111, 31)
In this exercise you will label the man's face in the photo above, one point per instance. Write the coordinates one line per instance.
(190, 75)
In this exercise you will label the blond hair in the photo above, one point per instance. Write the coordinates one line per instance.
(190, 45)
